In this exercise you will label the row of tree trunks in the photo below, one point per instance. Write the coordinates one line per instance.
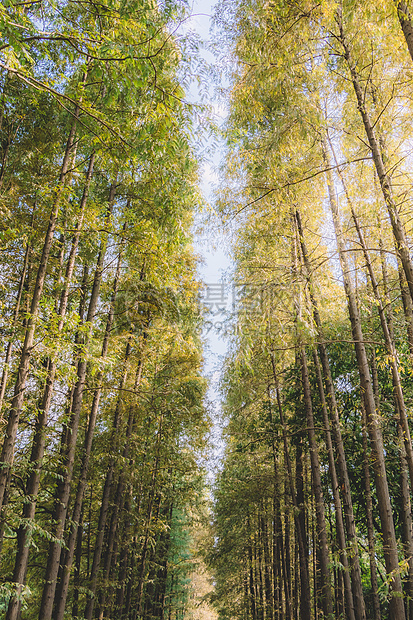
(39, 439)
(69, 438)
(305, 595)
(386, 516)
(354, 599)
(63, 583)
(104, 507)
(7, 452)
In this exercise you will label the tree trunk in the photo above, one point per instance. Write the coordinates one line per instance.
(269, 601)
(111, 544)
(276, 559)
(120, 488)
(78, 560)
(406, 521)
(252, 595)
(162, 561)
(405, 20)
(142, 564)
(258, 564)
(279, 557)
(341, 536)
(129, 590)
(370, 526)
(407, 308)
(388, 337)
(385, 184)
(124, 558)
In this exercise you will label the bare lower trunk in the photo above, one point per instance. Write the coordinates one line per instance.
(145, 545)
(406, 520)
(279, 558)
(341, 536)
(110, 552)
(370, 526)
(269, 601)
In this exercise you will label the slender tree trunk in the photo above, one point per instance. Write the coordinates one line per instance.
(120, 595)
(279, 556)
(399, 232)
(258, 569)
(405, 20)
(276, 558)
(295, 570)
(5, 373)
(129, 590)
(341, 536)
(406, 520)
(111, 543)
(162, 573)
(299, 492)
(407, 307)
(252, 594)
(124, 557)
(386, 516)
(144, 551)
(78, 560)
(120, 489)
(269, 601)
(388, 337)
(370, 525)
(286, 569)
(317, 596)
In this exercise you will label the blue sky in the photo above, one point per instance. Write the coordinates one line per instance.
(215, 266)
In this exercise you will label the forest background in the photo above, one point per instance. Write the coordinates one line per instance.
(103, 401)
